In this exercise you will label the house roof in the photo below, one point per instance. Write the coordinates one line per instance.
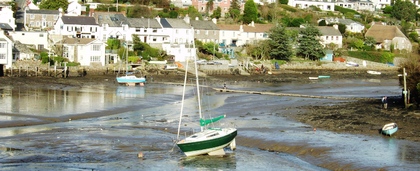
(5, 26)
(80, 41)
(143, 22)
(329, 31)
(54, 12)
(258, 28)
(347, 21)
(383, 32)
(113, 20)
(174, 23)
(203, 25)
(82, 20)
(229, 27)
(21, 48)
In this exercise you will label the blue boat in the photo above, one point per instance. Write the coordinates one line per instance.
(131, 79)
(390, 129)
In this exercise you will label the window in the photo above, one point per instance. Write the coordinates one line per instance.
(154, 39)
(138, 29)
(38, 23)
(326, 37)
(41, 35)
(32, 16)
(40, 47)
(207, 32)
(32, 23)
(2, 45)
(197, 32)
(44, 16)
(95, 59)
(96, 47)
(2, 56)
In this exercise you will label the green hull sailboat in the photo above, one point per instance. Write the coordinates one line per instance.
(211, 141)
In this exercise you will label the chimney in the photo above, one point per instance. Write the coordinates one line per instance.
(241, 28)
(214, 20)
(196, 18)
(187, 19)
(335, 26)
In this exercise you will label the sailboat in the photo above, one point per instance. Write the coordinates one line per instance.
(129, 78)
(209, 140)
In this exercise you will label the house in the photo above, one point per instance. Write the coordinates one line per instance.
(148, 30)
(6, 51)
(77, 27)
(40, 19)
(233, 35)
(205, 31)
(85, 51)
(114, 25)
(330, 35)
(224, 5)
(351, 26)
(7, 21)
(22, 52)
(35, 39)
(388, 36)
(180, 40)
(74, 8)
(326, 5)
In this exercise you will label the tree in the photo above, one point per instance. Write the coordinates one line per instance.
(370, 41)
(280, 47)
(387, 9)
(234, 10)
(138, 11)
(217, 13)
(209, 6)
(54, 4)
(309, 45)
(250, 12)
(322, 23)
(412, 68)
(259, 50)
(284, 2)
(404, 10)
(342, 28)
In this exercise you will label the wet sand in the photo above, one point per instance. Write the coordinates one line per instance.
(359, 117)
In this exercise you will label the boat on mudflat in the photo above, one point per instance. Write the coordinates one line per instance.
(389, 129)
(374, 72)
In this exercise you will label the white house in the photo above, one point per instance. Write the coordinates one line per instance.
(180, 38)
(6, 51)
(86, 51)
(77, 26)
(351, 26)
(114, 25)
(239, 35)
(325, 5)
(22, 52)
(148, 30)
(331, 35)
(36, 39)
(6, 18)
(74, 8)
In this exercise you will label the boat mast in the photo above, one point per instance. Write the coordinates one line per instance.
(182, 101)
(197, 83)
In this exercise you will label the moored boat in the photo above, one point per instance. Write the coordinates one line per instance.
(389, 129)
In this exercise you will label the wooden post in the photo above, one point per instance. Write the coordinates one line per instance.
(405, 88)
(20, 68)
(55, 70)
(27, 71)
(36, 71)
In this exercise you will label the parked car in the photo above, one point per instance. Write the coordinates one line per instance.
(214, 63)
(201, 62)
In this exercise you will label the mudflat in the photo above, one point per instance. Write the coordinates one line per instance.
(361, 116)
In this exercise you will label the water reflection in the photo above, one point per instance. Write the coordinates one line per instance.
(131, 92)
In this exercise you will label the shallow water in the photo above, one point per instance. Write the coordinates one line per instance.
(105, 128)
